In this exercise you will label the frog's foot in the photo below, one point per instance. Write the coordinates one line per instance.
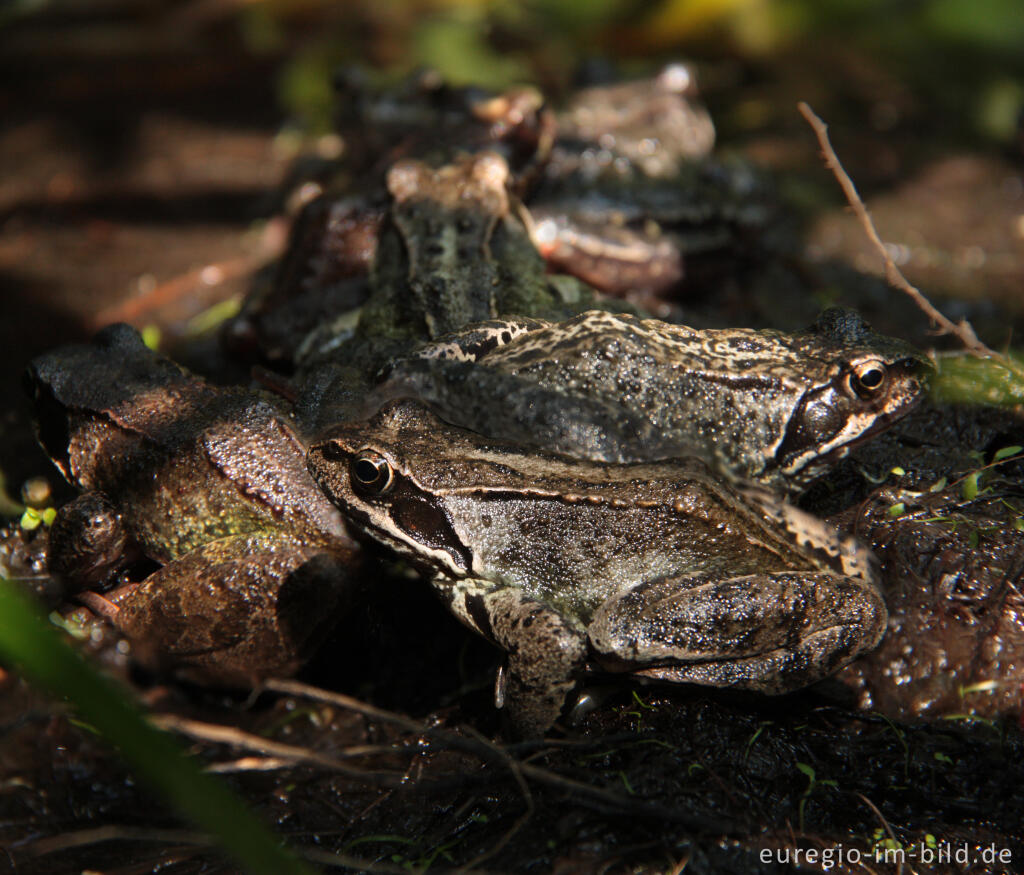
(237, 609)
(545, 650)
(100, 605)
(772, 632)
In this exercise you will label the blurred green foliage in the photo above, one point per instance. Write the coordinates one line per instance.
(952, 51)
(969, 380)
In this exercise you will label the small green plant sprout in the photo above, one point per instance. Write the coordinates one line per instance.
(812, 783)
(33, 518)
(755, 736)
(972, 483)
(640, 702)
(897, 509)
(940, 757)
(638, 714)
(989, 686)
(151, 336)
(884, 842)
(212, 317)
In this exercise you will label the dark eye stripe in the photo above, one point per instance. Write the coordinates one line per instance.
(424, 521)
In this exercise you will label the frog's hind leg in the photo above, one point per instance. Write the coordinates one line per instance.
(773, 632)
(545, 650)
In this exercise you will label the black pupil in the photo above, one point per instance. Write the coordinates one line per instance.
(871, 378)
(367, 471)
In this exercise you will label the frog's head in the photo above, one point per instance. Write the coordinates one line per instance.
(390, 478)
(85, 394)
(865, 382)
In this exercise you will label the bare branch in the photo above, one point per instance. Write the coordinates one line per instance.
(893, 275)
(218, 734)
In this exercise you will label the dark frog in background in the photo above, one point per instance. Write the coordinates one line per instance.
(777, 408)
(661, 569)
(453, 250)
(208, 482)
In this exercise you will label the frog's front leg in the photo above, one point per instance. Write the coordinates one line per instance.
(545, 649)
(771, 632)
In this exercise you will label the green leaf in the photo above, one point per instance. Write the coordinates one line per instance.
(897, 471)
(151, 336)
(31, 519)
(969, 490)
(938, 485)
(36, 650)
(807, 770)
(897, 509)
(972, 539)
(1005, 453)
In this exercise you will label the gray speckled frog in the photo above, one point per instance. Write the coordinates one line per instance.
(768, 406)
(664, 570)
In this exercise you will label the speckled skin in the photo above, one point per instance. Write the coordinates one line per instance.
(759, 405)
(452, 251)
(661, 569)
(651, 124)
(197, 475)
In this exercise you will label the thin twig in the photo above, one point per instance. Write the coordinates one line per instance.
(893, 275)
(173, 290)
(885, 824)
(111, 832)
(247, 741)
(521, 821)
(115, 833)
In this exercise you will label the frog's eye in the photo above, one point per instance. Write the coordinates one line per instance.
(372, 472)
(868, 378)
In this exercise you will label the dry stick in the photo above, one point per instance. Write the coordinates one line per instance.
(111, 832)
(218, 734)
(893, 275)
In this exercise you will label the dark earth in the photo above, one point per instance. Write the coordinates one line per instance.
(144, 183)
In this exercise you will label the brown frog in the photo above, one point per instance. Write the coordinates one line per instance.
(650, 126)
(208, 482)
(662, 569)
